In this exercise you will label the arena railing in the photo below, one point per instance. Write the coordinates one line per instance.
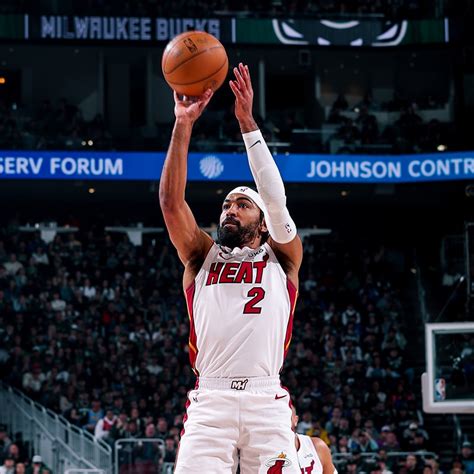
(84, 471)
(341, 458)
(62, 445)
(140, 455)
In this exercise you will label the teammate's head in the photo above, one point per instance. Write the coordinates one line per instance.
(242, 220)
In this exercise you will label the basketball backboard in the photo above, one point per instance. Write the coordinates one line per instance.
(448, 383)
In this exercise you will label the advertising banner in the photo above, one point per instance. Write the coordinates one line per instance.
(230, 30)
(234, 167)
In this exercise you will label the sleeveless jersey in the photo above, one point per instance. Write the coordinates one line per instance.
(240, 308)
(308, 457)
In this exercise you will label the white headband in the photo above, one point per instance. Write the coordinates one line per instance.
(253, 195)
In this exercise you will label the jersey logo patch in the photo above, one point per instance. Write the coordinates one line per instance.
(277, 463)
(277, 397)
(239, 384)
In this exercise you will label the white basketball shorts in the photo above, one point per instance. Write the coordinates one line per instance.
(246, 418)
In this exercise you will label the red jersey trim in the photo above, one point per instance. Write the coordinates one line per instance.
(293, 295)
(193, 349)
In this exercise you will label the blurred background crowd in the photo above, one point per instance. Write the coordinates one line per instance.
(352, 368)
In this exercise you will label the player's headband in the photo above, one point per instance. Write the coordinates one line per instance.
(253, 195)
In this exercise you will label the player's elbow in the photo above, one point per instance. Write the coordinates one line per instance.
(167, 203)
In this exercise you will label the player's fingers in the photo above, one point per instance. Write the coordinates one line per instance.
(236, 90)
(176, 97)
(246, 74)
(239, 78)
(206, 97)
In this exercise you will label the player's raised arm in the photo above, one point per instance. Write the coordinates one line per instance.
(283, 236)
(191, 242)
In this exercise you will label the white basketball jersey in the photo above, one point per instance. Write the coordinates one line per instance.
(240, 308)
(308, 457)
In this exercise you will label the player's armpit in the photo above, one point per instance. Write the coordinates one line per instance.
(191, 242)
(289, 255)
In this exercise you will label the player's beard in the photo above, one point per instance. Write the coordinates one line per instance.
(237, 237)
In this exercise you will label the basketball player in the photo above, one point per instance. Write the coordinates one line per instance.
(314, 456)
(241, 293)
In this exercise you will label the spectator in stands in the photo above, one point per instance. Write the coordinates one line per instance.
(368, 126)
(170, 450)
(37, 466)
(5, 441)
(162, 428)
(94, 414)
(351, 466)
(33, 380)
(305, 424)
(333, 424)
(148, 453)
(375, 369)
(420, 443)
(389, 441)
(361, 441)
(105, 425)
(412, 466)
(433, 464)
(137, 419)
(457, 467)
(14, 453)
(20, 468)
(88, 290)
(58, 304)
(386, 463)
(348, 132)
(467, 456)
(414, 437)
(8, 466)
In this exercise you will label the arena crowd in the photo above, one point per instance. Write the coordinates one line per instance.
(88, 297)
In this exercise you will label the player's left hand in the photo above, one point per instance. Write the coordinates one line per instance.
(190, 108)
(243, 91)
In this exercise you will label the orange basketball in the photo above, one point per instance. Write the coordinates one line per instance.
(194, 62)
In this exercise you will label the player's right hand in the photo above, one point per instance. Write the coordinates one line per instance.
(243, 91)
(189, 109)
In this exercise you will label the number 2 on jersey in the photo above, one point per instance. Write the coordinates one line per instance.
(257, 294)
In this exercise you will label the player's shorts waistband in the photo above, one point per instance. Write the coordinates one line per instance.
(239, 383)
